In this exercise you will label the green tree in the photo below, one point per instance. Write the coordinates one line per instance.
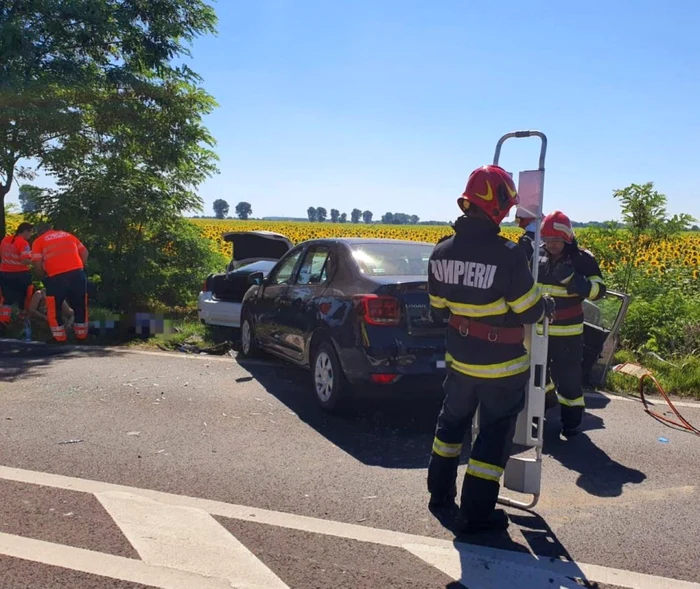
(28, 198)
(645, 217)
(367, 217)
(321, 214)
(244, 210)
(335, 213)
(343, 218)
(220, 208)
(82, 81)
(355, 215)
(132, 148)
(311, 213)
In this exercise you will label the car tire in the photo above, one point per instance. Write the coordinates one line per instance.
(249, 344)
(330, 387)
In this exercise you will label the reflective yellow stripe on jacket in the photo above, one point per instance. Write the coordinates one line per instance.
(596, 281)
(498, 307)
(501, 370)
(562, 330)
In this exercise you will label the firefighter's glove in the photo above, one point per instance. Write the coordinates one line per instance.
(578, 284)
(563, 273)
(549, 306)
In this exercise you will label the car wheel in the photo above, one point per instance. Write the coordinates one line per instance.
(330, 386)
(249, 346)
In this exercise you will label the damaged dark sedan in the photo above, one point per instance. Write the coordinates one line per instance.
(354, 311)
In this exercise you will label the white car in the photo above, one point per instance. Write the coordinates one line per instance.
(219, 301)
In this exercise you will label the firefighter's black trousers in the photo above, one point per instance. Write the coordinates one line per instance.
(72, 287)
(565, 374)
(500, 402)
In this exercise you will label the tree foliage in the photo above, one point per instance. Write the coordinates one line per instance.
(221, 208)
(311, 213)
(28, 197)
(244, 210)
(355, 215)
(335, 214)
(644, 214)
(84, 82)
(367, 216)
(90, 91)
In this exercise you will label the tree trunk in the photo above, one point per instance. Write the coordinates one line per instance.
(3, 194)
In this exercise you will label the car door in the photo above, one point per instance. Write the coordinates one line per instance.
(603, 320)
(272, 301)
(300, 318)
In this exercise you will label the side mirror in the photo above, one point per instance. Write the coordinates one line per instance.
(256, 278)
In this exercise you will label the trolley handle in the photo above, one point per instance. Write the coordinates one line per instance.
(518, 134)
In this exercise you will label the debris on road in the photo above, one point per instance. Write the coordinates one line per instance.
(191, 347)
(663, 440)
(133, 433)
(71, 442)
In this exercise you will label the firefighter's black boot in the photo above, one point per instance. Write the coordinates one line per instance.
(443, 501)
(497, 521)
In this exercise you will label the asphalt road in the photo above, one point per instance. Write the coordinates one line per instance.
(159, 454)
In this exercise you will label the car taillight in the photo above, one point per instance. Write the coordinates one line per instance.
(384, 378)
(379, 310)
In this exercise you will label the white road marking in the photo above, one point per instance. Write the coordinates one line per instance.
(475, 570)
(188, 539)
(594, 573)
(479, 568)
(104, 565)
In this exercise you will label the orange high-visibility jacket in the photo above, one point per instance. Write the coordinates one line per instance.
(59, 251)
(14, 251)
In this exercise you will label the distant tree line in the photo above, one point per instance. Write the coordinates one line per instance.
(320, 214)
(221, 209)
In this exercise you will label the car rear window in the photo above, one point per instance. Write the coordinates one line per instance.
(389, 259)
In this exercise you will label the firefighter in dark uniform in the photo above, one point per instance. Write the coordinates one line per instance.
(570, 275)
(527, 239)
(480, 284)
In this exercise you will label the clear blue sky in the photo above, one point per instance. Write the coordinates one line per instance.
(388, 105)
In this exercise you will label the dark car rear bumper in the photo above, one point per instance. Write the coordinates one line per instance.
(426, 362)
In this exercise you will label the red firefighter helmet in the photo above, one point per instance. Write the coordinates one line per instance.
(492, 190)
(557, 225)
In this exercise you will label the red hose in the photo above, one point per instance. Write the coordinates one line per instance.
(641, 373)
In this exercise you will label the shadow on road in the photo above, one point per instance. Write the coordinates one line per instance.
(599, 474)
(391, 430)
(543, 558)
(19, 359)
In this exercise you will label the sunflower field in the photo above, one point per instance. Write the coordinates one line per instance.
(613, 251)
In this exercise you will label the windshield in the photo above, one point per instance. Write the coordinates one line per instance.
(392, 259)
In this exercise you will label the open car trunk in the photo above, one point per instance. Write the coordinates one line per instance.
(249, 246)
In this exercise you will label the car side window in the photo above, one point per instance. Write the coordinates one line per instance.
(314, 269)
(283, 274)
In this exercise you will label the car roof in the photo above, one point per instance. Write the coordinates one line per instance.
(366, 240)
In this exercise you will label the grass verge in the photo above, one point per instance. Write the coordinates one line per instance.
(178, 331)
(679, 376)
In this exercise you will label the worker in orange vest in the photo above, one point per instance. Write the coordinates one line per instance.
(15, 271)
(60, 257)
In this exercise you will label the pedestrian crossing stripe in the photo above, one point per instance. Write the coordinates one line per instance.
(181, 546)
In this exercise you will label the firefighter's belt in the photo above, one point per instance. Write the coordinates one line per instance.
(503, 335)
(575, 311)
